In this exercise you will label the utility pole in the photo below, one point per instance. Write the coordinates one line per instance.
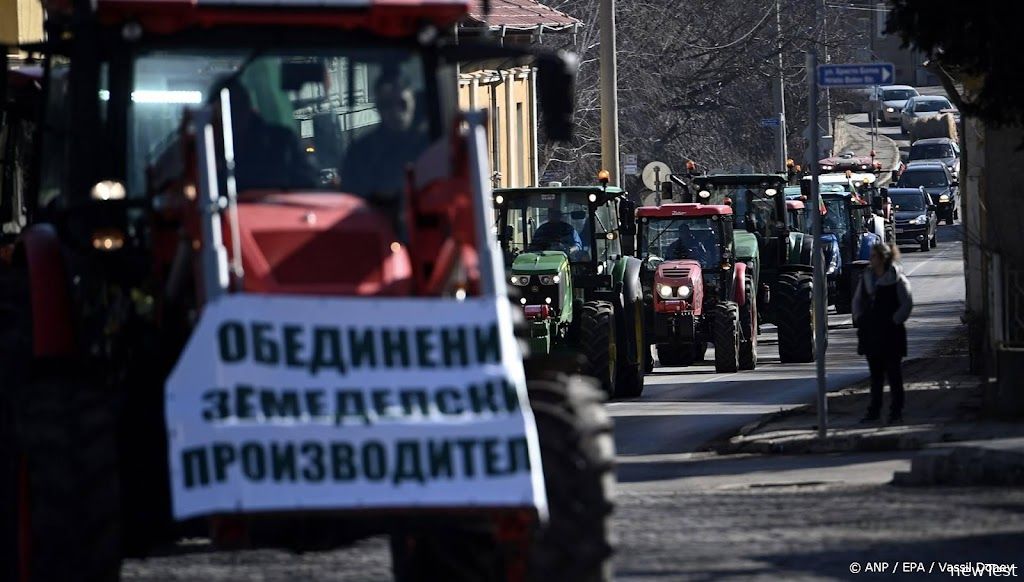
(779, 93)
(819, 287)
(609, 94)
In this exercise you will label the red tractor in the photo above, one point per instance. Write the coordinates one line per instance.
(251, 293)
(695, 291)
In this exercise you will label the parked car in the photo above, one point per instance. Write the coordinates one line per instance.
(938, 182)
(915, 217)
(937, 149)
(924, 106)
(887, 101)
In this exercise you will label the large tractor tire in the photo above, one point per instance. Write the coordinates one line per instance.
(66, 495)
(794, 316)
(597, 340)
(578, 457)
(674, 355)
(748, 329)
(725, 332)
(630, 383)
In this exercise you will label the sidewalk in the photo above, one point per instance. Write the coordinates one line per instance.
(942, 419)
(849, 137)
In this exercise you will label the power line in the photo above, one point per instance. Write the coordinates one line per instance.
(735, 42)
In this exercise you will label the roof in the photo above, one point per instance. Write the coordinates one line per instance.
(913, 164)
(794, 204)
(919, 190)
(919, 98)
(740, 179)
(603, 194)
(685, 209)
(893, 87)
(522, 15)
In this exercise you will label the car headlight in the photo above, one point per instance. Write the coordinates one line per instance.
(665, 291)
(549, 279)
(683, 291)
(890, 110)
(944, 198)
(920, 219)
(520, 280)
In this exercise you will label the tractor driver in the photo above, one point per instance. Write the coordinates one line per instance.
(374, 165)
(556, 232)
(267, 155)
(687, 246)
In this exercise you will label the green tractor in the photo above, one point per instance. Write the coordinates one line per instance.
(569, 252)
(778, 258)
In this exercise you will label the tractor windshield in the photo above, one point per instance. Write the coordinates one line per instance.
(550, 221)
(836, 219)
(744, 199)
(672, 239)
(347, 119)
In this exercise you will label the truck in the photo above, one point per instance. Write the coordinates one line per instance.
(568, 250)
(214, 329)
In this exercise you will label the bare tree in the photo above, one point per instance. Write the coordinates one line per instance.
(695, 79)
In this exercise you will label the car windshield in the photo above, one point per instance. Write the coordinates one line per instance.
(673, 239)
(932, 105)
(752, 198)
(926, 178)
(550, 221)
(898, 94)
(931, 151)
(835, 220)
(347, 119)
(911, 201)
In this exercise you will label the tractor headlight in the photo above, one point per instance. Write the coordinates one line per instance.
(108, 190)
(520, 280)
(549, 279)
(683, 291)
(923, 219)
(665, 291)
(704, 194)
(826, 167)
(944, 198)
(499, 199)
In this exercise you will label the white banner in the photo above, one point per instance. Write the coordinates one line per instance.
(297, 403)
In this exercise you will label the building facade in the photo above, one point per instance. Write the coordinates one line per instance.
(21, 21)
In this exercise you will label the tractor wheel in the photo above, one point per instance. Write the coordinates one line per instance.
(794, 316)
(630, 383)
(597, 339)
(648, 359)
(844, 298)
(578, 458)
(725, 331)
(748, 329)
(65, 450)
(674, 355)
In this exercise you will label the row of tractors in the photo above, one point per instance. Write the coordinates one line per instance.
(707, 263)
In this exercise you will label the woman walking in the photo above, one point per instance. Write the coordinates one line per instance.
(881, 305)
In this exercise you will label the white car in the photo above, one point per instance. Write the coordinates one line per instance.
(925, 106)
(887, 101)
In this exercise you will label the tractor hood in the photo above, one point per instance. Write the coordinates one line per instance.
(540, 262)
(685, 281)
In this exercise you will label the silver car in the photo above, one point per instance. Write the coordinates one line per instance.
(925, 106)
(887, 101)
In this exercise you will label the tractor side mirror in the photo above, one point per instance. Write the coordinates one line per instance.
(556, 89)
(627, 217)
(666, 192)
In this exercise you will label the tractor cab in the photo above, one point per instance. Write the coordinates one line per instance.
(694, 239)
(796, 215)
(574, 232)
(847, 236)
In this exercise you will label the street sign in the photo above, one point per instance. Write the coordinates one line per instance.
(655, 173)
(855, 75)
(629, 165)
(770, 122)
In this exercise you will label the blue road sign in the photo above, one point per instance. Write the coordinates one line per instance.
(770, 122)
(855, 75)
